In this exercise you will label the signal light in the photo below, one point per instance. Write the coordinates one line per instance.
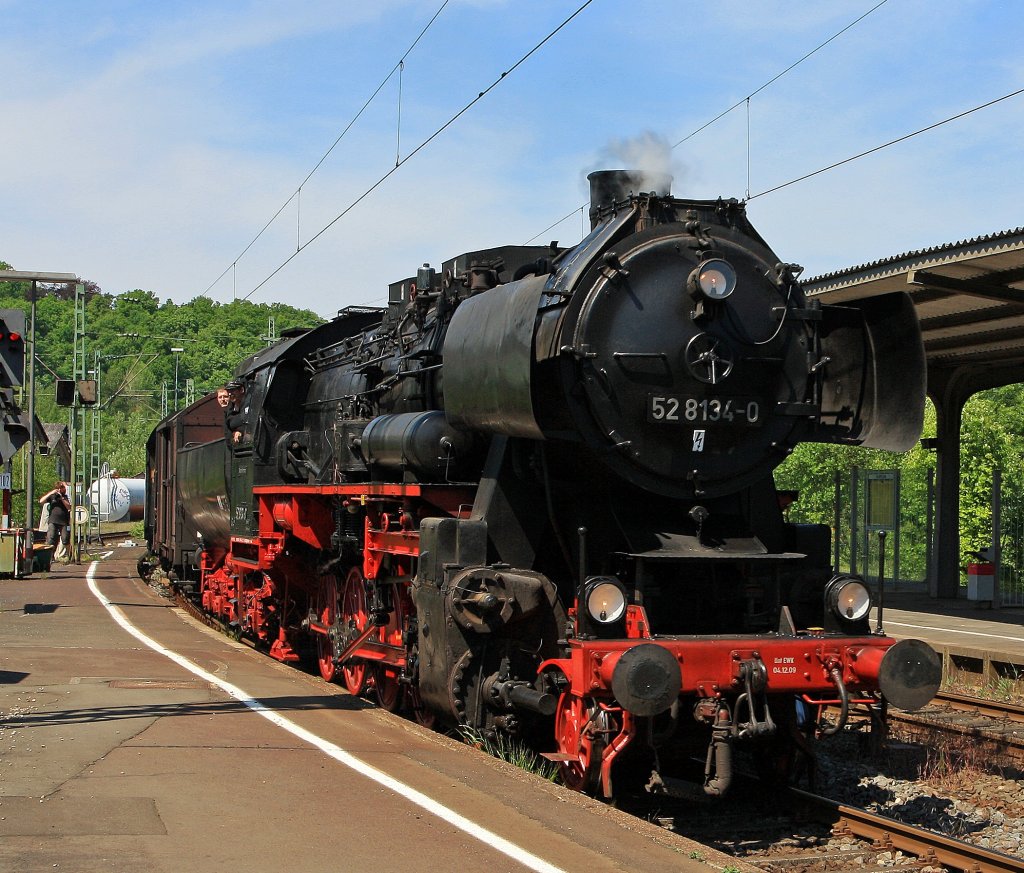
(12, 349)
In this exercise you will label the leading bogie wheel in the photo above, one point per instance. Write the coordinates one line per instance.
(577, 724)
(423, 715)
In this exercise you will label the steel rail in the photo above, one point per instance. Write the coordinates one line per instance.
(897, 836)
(991, 708)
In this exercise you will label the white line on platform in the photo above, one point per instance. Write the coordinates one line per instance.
(336, 752)
(949, 630)
(106, 555)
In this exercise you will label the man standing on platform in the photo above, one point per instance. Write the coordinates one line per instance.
(58, 531)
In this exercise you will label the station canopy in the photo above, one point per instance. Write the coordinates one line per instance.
(969, 298)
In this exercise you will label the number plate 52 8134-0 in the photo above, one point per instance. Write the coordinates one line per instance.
(680, 409)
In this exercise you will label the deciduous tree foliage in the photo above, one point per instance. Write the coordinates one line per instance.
(992, 437)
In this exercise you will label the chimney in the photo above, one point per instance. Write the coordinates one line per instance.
(610, 186)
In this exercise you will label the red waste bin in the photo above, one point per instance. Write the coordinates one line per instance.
(981, 581)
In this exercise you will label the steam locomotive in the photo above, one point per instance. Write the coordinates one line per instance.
(533, 496)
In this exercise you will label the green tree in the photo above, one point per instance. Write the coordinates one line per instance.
(992, 437)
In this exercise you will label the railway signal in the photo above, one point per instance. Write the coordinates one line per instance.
(14, 429)
(12, 348)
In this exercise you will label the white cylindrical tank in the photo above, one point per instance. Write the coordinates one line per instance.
(115, 498)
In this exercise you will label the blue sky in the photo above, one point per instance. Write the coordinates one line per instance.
(146, 144)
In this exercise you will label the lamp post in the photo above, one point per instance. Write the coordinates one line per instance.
(176, 353)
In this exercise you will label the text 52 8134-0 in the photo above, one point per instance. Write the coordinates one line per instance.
(676, 408)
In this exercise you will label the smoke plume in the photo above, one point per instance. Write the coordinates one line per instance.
(648, 157)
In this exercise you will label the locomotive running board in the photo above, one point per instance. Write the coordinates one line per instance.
(709, 554)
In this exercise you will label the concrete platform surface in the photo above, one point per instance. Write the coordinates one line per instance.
(953, 625)
(114, 757)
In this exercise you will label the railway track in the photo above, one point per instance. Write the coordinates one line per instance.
(995, 728)
(813, 833)
(993, 708)
(808, 833)
(887, 834)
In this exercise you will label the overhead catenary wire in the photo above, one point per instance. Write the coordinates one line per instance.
(421, 146)
(779, 75)
(398, 125)
(738, 103)
(397, 67)
(891, 142)
(851, 158)
(565, 217)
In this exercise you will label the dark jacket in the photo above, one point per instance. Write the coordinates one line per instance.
(234, 420)
(60, 509)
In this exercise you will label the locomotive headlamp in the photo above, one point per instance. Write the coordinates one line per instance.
(714, 279)
(848, 598)
(605, 599)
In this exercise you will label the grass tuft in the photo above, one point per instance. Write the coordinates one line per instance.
(953, 763)
(1004, 688)
(511, 751)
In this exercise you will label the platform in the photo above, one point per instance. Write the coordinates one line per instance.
(971, 636)
(116, 758)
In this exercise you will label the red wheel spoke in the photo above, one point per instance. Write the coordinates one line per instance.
(354, 615)
(573, 723)
(327, 613)
(390, 693)
(388, 688)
